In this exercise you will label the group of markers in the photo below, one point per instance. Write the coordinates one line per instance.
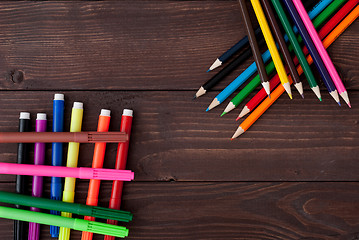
(60, 217)
(337, 15)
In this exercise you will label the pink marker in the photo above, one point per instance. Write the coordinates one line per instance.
(55, 171)
(322, 52)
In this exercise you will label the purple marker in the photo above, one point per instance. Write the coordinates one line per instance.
(37, 182)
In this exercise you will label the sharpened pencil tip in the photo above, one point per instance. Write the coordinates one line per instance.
(350, 106)
(290, 96)
(339, 104)
(232, 139)
(302, 95)
(269, 96)
(223, 114)
(207, 109)
(208, 70)
(238, 118)
(195, 97)
(320, 99)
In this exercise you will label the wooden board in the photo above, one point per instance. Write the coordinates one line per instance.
(293, 175)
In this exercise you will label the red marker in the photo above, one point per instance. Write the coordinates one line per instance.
(121, 159)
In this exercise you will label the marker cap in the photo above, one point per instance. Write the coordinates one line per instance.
(41, 116)
(24, 115)
(59, 96)
(127, 112)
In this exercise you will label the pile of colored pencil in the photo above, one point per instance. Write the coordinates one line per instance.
(337, 15)
(60, 217)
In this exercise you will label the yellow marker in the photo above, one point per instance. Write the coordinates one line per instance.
(271, 46)
(72, 158)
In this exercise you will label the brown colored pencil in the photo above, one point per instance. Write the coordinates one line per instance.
(283, 47)
(254, 46)
(49, 137)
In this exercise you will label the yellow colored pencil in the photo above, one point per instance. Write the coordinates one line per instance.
(72, 159)
(271, 46)
(332, 36)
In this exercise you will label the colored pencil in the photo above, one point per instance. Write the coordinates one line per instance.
(22, 157)
(241, 44)
(330, 25)
(236, 83)
(282, 46)
(268, 37)
(121, 159)
(97, 162)
(313, 51)
(318, 20)
(337, 31)
(296, 47)
(56, 154)
(224, 72)
(72, 158)
(254, 46)
(244, 43)
(322, 52)
(37, 181)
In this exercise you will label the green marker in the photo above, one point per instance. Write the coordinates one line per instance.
(73, 223)
(80, 209)
(297, 49)
(322, 17)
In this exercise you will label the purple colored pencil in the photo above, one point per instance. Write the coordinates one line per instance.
(37, 182)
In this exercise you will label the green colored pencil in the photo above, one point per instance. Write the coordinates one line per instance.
(297, 49)
(322, 17)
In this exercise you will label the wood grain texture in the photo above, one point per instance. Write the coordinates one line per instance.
(174, 138)
(292, 175)
(128, 45)
(229, 210)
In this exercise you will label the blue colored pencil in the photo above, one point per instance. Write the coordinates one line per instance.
(253, 68)
(312, 50)
(58, 126)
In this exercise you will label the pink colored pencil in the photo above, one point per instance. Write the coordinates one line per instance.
(322, 52)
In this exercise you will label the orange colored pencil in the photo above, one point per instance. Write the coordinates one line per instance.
(279, 90)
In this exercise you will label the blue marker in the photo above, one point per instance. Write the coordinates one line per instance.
(317, 9)
(56, 158)
(312, 50)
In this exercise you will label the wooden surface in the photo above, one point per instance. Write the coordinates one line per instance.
(293, 175)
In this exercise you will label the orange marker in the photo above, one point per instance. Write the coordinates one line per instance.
(97, 162)
(121, 159)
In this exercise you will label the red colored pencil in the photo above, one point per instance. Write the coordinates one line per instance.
(259, 97)
(121, 159)
(324, 31)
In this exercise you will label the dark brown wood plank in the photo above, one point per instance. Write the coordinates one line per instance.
(174, 138)
(128, 45)
(212, 210)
